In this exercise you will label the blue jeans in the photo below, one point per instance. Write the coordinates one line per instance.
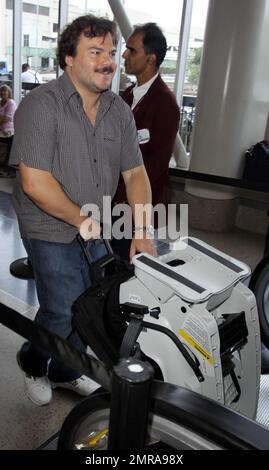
(61, 274)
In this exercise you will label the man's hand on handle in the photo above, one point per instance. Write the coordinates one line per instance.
(142, 243)
(89, 229)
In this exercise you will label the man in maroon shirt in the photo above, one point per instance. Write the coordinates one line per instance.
(155, 111)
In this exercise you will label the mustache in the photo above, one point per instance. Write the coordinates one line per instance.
(105, 70)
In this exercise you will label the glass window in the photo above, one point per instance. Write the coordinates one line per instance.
(38, 22)
(29, 8)
(198, 23)
(168, 17)
(6, 49)
(192, 72)
(26, 40)
(44, 11)
(96, 7)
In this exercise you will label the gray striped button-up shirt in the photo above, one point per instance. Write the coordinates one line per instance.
(53, 133)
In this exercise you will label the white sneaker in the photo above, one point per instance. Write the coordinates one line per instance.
(37, 389)
(83, 385)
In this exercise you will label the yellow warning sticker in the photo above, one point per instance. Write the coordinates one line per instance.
(197, 346)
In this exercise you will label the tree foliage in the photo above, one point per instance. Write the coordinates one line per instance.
(194, 66)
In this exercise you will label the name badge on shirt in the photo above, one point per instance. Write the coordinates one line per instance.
(143, 136)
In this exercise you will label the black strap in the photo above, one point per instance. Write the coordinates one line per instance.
(237, 386)
(56, 346)
(130, 337)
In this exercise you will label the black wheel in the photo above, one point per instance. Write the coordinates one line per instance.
(86, 426)
(260, 287)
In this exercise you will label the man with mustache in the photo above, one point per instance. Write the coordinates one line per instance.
(155, 111)
(73, 139)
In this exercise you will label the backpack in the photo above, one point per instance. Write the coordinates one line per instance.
(96, 313)
(257, 162)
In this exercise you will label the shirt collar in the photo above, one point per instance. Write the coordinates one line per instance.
(140, 91)
(67, 86)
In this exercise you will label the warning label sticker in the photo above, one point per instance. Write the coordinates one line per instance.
(197, 346)
(196, 336)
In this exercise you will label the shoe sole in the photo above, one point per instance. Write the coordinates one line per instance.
(25, 389)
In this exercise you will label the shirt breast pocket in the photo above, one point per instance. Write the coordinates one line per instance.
(112, 150)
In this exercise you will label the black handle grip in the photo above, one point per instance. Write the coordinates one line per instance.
(84, 249)
(97, 266)
(87, 254)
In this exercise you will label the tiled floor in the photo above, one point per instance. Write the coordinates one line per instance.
(22, 424)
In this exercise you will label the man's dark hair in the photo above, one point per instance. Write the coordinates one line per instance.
(91, 26)
(25, 67)
(153, 39)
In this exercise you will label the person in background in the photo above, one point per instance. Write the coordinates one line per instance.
(30, 76)
(155, 111)
(7, 110)
(73, 138)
